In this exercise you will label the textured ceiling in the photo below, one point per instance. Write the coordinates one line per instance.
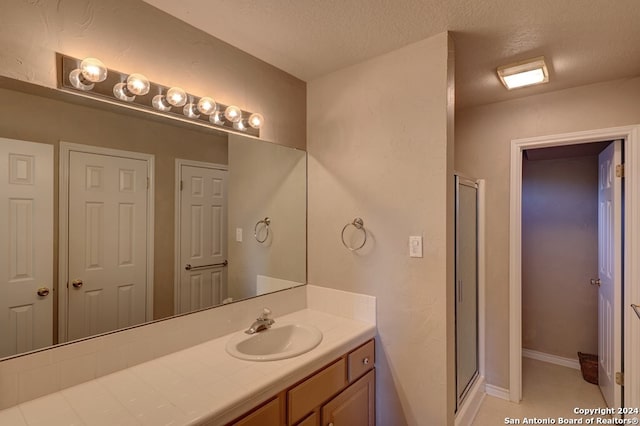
(584, 41)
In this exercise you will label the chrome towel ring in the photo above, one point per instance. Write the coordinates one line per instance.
(357, 223)
(266, 221)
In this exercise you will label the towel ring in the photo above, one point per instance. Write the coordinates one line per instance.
(358, 224)
(266, 222)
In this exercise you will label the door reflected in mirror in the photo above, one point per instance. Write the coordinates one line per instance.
(115, 218)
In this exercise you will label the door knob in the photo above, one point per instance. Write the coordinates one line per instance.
(595, 281)
(43, 291)
(77, 283)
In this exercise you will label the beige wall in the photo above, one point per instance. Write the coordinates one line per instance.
(380, 148)
(560, 255)
(37, 119)
(131, 36)
(483, 138)
(266, 180)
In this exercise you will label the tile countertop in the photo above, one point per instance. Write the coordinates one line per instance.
(199, 384)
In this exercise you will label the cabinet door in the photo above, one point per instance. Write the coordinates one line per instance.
(355, 406)
(267, 415)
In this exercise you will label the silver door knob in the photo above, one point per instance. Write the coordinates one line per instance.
(43, 291)
(595, 281)
(77, 283)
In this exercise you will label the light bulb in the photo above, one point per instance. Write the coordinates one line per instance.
(233, 113)
(206, 105)
(91, 71)
(217, 118)
(190, 110)
(120, 91)
(175, 97)
(160, 103)
(138, 84)
(256, 120)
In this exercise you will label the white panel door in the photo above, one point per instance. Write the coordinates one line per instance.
(610, 273)
(203, 237)
(26, 248)
(107, 243)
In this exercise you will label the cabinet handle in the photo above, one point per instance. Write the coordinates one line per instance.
(365, 361)
(330, 424)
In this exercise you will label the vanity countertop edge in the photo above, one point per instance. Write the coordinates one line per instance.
(200, 384)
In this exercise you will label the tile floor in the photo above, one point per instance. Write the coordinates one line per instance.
(548, 391)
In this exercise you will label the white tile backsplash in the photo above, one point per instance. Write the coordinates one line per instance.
(356, 306)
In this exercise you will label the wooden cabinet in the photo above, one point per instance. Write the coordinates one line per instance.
(355, 406)
(269, 414)
(342, 393)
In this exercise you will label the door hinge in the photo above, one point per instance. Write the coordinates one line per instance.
(620, 170)
(181, 185)
(148, 183)
(620, 378)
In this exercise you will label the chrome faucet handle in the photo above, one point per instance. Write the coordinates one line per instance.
(265, 314)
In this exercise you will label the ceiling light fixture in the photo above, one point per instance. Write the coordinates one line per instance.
(524, 73)
(90, 78)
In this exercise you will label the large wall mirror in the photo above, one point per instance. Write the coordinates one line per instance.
(111, 218)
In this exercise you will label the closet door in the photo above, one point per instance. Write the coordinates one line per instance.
(466, 285)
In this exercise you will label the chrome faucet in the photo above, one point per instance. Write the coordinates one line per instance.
(261, 323)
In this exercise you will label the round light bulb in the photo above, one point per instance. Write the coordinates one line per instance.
(160, 103)
(138, 84)
(78, 81)
(206, 105)
(176, 97)
(190, 110)
(233, 113)
(217, 118)
(120, 91)
(93, 70)
(256, 120)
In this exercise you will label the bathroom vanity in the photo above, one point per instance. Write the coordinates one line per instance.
(340, 393)
(204, 385)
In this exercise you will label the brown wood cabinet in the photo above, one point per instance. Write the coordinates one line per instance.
(340, 394)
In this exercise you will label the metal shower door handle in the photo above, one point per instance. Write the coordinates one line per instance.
(595, 281)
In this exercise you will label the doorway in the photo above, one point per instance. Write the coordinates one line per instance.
(564, 237)
(106, 240)
(630, 137)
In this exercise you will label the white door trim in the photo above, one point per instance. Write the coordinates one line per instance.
(631, 285)
(177, 215)
(63, 230)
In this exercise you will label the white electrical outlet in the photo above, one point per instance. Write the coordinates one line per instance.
(415, 246)
(239, 235)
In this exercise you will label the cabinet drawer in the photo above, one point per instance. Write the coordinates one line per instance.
(361, 360)
(355, 406)
(309, 394)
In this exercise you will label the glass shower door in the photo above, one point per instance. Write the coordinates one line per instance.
(466, 285)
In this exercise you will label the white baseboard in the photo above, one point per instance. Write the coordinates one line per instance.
(471, 404)
(497, 391)
(553, 359)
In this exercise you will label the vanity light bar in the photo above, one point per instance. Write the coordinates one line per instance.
(90, 78)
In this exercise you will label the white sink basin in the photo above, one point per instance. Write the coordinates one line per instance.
(278, 342)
